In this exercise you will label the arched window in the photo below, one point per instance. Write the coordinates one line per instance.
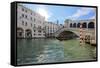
(78, 25)
(28, 33)
(91, 25)
(20, 32)
(84, 25)
(74, 25)
(70, 24)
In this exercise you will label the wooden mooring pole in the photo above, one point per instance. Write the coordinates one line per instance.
(81, 35)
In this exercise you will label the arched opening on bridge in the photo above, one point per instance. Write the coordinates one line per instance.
(70, 24)
(84, 25)
(28, 33)
(66, 35)
(20, 32)
(78, 25)
(91, 25)
(74, 25)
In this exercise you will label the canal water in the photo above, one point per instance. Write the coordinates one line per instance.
(34, 51)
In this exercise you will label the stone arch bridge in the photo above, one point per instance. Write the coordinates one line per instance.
(88, 27)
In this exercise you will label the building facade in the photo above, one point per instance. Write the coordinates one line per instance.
(51, 28)
(31, 24)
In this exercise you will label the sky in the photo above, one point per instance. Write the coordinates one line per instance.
(54, 13)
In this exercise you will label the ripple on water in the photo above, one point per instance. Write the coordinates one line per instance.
(48, 51)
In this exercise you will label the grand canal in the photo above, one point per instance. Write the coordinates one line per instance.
(33, 51)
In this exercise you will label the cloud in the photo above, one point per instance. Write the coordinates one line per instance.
(43, 10)
(81, 12)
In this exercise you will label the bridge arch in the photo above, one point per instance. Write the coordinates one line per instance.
(66, 35)
(91, 25)
(56, 34)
